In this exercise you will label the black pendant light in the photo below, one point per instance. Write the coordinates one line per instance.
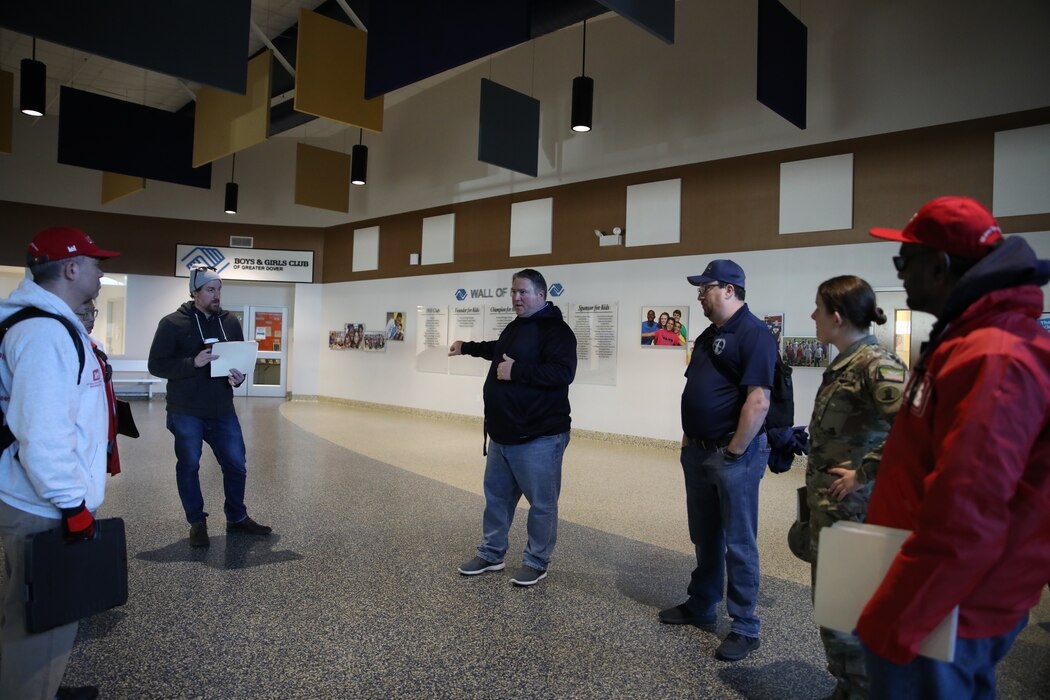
(33, 89)
(231, 189)
(582, 93)
(359, 161)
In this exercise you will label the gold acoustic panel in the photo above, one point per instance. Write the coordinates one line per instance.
(322, 178)
(115, 186)
(7, 109)
(330, 73)
(226, 122)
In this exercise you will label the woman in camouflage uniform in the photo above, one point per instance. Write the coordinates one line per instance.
(854, 409)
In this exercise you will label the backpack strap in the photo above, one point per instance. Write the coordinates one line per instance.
(6, 437)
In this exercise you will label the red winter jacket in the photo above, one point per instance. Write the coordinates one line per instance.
(966, 467)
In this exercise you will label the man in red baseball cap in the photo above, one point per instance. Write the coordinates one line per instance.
(52, 472)
(965, 465)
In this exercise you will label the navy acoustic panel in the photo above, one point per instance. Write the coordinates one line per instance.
(509, 133)
(104, 133)
(782, 62)
(205, 41)
(409, 40)
(654, 16)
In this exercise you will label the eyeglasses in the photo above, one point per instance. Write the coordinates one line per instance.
(901, 261)
(88, 314)
(705, 288)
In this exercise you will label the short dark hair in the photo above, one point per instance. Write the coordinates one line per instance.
(538, 283)
(738, 292)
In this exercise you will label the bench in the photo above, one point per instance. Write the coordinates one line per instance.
(134, 373)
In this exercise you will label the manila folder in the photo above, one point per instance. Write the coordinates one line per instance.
(852, 561)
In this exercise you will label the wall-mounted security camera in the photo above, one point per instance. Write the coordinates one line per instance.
(614, 238)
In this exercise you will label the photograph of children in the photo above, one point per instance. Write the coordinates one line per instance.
(805, 352)
(395, 325)
(337, 340)
(355, 332)
(374, 341)
(665, 327)
(776, 325)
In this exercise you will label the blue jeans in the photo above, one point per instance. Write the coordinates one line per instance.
(722, 504)
(970, 675)
(224, 437)
(533, 469)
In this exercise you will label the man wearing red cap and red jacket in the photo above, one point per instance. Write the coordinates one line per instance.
(966, 466)
(55, 470)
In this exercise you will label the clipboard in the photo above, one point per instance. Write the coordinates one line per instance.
(68, 582)
(852, 561)
(234, 354)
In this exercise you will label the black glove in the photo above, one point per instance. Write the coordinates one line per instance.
(78, 523)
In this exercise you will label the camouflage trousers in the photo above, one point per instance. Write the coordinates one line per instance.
(843, 651)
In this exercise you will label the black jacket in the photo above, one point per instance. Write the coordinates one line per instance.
(192, 391)
(535, 402)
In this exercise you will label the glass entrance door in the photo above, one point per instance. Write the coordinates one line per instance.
(268, 326)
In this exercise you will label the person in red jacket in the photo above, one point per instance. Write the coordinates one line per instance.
(966, 466)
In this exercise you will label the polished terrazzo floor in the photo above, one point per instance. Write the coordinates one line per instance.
(356, 595)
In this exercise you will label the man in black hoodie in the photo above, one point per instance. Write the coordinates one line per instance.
(527, 421)
(200, 407)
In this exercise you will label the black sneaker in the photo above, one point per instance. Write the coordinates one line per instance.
(736, 647)
(527, 576)
(199, 534)
(248, 527)
(477, 565)
(83, 692)
(682, 615)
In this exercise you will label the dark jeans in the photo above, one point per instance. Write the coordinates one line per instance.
(224, 437)
(722, 504)
(970, 675)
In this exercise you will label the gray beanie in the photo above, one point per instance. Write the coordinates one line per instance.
(200, 276)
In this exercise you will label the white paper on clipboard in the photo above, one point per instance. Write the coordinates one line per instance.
(234, 354)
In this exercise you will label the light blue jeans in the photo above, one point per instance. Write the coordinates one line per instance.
(532, 468)
(970, 675)
(722, 505)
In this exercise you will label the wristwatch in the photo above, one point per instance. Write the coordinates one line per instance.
(726, 452)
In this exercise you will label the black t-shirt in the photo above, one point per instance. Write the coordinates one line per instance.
(711, 401)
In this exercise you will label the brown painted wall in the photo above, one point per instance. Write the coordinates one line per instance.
(146, 244)
(727, 205)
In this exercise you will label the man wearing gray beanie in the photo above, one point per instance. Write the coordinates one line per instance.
(200, 407)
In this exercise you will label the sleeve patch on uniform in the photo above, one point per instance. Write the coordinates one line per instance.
(891, 374)
(889, 394)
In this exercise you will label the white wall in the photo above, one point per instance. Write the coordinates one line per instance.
(874, 67)
(151, 298)
(645, 400)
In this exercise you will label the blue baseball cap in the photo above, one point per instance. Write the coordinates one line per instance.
(725, 271)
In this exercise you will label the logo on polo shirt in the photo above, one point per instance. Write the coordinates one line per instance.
(718, 346)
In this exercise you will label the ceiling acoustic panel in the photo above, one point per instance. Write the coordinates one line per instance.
(322, 178)
(654, 16)
(104, 133)
(409, 40)
(509, 130)
(116, 186)
(781, 79)
(204, 41)
(330, 73)
(225, 122)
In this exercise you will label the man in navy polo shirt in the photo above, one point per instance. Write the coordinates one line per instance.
(724, 455)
